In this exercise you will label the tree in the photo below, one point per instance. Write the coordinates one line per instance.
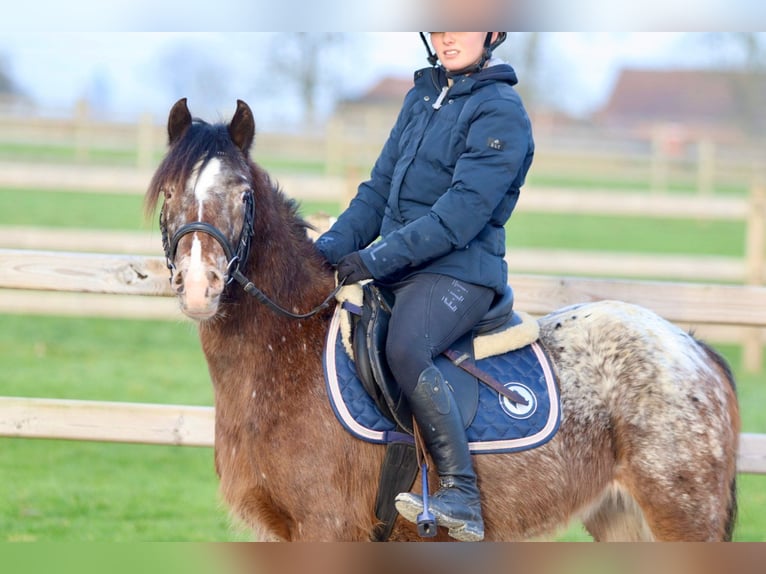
(744, 52)
(303, 60)
(195, 70)
(524, 51)
(7, 85)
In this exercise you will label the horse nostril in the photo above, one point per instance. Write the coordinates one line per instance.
(215, 280)
(178, 281)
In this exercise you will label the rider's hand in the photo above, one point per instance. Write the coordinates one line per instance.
(351, 269)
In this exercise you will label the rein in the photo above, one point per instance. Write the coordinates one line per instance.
(234, 259)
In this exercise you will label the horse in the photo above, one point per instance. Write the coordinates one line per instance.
(647, 444)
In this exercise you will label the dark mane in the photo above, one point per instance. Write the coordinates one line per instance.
(201, 140)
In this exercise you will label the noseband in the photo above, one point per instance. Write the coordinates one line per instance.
(235, 259)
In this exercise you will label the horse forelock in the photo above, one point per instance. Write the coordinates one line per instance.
(199, 144)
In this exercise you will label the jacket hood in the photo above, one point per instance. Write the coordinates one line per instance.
(496, 71)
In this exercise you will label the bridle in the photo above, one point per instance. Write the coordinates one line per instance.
(235, 259)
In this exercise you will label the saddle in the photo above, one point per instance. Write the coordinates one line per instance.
(500, 330)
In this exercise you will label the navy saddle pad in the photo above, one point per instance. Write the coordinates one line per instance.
(499, 425)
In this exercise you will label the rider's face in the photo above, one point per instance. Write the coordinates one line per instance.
(458, 50)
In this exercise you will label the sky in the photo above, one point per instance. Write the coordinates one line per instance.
(262, 15)
(129, 73)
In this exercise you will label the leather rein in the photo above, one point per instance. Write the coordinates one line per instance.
(235, 259)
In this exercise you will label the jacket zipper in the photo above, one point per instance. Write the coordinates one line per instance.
(438, 103)
(444, 89)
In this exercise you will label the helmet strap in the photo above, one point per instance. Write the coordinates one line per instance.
(432, 58)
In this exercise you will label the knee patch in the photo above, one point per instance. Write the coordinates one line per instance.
(432, 386)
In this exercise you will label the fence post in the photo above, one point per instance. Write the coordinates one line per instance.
(334, 147)
(658, 176)
(145, 141)
(755, 235)
(705, 166)
(80, 121)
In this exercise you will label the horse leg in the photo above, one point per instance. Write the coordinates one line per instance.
(672, 487)
(617, 517)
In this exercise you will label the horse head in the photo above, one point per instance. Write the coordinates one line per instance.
(206, 184)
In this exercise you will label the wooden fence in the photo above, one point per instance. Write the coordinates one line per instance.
(129, 275)
(748, 269)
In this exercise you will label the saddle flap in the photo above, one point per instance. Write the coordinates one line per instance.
(362, 362)
(376, 331)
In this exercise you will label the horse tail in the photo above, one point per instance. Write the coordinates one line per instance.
(731, 516)
(723, 366)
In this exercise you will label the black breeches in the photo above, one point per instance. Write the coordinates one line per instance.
(430, 313)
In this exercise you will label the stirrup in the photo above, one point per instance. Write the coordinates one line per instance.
(425, 520)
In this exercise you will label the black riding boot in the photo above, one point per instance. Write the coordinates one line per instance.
(456, 505)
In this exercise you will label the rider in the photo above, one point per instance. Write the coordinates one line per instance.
(438, 197)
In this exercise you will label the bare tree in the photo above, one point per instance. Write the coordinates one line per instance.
(745, 53)
(749, 46)
(523, 51)
(195, 70)
(7, 84)
(303, 60)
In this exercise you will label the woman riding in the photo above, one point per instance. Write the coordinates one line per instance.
(439, 195)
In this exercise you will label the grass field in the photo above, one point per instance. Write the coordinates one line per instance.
(71, 491)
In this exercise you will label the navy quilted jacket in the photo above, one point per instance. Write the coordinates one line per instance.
(445, 183)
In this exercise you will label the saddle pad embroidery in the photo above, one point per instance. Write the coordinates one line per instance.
(499, 426)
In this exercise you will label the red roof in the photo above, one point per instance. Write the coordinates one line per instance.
(687, 96)
(388, 89)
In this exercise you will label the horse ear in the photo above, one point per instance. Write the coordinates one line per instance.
(242, 127)
(179, 120)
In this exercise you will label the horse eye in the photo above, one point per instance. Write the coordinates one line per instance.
(167, 192)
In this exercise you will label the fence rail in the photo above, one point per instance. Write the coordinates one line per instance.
(740, 305)
(746, 269)
(179, 425)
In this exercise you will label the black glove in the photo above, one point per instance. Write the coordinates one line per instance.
(351, 269)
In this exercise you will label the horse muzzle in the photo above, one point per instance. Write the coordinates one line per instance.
(198, 288)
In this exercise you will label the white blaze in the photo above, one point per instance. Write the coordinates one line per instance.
(205, 182)
(196, 268)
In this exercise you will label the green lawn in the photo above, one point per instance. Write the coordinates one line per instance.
(68, 491)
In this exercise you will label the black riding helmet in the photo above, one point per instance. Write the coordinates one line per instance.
(489, 46)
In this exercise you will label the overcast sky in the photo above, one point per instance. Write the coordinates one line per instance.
(128, 73)
(381, 15)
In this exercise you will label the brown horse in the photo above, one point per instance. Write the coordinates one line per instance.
(647, 445)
